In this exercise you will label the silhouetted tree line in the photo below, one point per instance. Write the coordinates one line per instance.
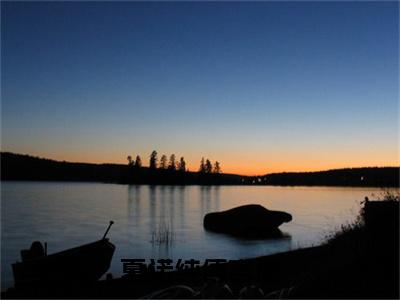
(25, 167)
(164, 164)
(172, 171)
(206, 166)
(372, 176)
(166, 171)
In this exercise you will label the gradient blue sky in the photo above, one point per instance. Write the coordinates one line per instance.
(261, 87)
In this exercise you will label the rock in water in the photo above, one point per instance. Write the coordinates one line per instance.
(247, 220)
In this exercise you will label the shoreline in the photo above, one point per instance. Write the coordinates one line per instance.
(120, 287)
(361, 261)
(28, 168)
(201, 185)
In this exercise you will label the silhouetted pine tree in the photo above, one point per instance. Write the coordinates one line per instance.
(138, 162)
(130, 161)
(163, 162)
(208, 166)
(202, 168)
(217, 167)
(182, 165)
(172, 162)
(153, 160)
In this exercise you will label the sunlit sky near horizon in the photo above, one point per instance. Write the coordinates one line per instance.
(261, 87)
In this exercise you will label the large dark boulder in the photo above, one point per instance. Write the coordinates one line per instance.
(247, 220)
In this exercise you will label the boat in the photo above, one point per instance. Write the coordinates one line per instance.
(79, 265)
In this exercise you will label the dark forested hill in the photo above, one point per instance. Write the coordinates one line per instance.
(379, 177)
(25, 167)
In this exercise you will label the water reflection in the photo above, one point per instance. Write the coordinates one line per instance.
(216, 196)
(169, 208)
(55, 212)
(168, 203)
(181, 205)
(134, 199)
(209, 199)
(171, 204)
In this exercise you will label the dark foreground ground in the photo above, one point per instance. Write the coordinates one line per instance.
(362, 261)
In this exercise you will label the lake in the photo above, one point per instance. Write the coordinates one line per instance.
(66, 215)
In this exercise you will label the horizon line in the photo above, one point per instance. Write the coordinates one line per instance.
(259, 175)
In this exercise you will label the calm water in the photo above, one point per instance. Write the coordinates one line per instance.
(69, 214)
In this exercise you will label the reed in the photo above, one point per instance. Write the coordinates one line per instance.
(162, 235)
(388, 194)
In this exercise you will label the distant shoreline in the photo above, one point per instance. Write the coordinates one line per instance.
(194, 184)
(17, 167)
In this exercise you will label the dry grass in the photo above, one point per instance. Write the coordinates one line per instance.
(388, 195)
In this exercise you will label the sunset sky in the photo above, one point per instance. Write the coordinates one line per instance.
(261, 87)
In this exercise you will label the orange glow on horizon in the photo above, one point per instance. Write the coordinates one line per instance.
(247, 164)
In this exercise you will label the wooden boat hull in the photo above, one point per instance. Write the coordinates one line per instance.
(86, 263)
